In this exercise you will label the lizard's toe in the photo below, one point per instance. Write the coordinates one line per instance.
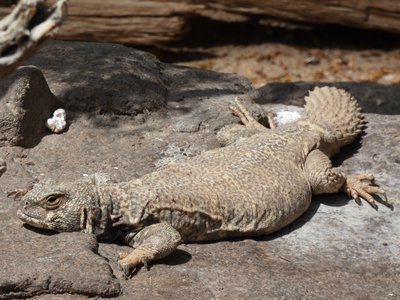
(356, 188)
(131, 262)
(366, 176)
(126, 270)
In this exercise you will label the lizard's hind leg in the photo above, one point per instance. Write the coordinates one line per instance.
(247, 119)
(324, 178)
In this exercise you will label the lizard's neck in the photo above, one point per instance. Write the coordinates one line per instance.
(96, 215)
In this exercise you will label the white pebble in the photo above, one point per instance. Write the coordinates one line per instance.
(58, 122)
(285, 117)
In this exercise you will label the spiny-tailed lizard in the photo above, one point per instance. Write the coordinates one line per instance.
(256, 185)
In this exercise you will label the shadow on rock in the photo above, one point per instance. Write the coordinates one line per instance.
(178, 257)
(305, 218)
(373, 98)
(188, 83)
(102, 78)
(335, 200)
(348, 151)
(114, 79)
(43, 231)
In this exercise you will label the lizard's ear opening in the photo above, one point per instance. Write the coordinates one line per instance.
(19, 193)
(52, 202)
(88, 219)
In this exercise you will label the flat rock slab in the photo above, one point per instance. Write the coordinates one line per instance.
(337, 250)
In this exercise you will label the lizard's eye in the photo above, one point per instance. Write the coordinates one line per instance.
(52, 202)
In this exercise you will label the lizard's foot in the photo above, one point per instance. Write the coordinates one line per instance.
(363, 187)
(129, 262)
(246, 118)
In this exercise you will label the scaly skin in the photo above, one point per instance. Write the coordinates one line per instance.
(256, 185)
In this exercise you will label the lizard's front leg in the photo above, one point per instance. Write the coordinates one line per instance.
(231, 133)
(151, 243)
(325, 179)
(247, 119)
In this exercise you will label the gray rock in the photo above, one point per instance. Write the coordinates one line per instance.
(337, 250)
(101, 78)
(197, 84)
(25, 104)
(104, 78)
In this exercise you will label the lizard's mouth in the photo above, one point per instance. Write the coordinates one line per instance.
(31, 220)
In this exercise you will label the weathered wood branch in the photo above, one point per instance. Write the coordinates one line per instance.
(378, 14)
(159, 21)
(24, 28)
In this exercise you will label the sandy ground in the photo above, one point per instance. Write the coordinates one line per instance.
(267, 63)
(265, 55)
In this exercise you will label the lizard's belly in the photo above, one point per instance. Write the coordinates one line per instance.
(233, 204)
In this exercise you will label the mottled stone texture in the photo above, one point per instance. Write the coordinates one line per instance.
(155, 113)
(25, 104)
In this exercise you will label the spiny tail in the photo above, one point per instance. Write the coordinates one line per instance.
(336, 111)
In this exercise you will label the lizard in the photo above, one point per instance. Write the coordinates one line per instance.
(259, 182)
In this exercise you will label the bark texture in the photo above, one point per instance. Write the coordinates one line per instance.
(150, 22)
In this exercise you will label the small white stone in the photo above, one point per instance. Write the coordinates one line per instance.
(285, 117)
(58, 122)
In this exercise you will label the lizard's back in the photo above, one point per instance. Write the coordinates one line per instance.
(254, 186)
(258, 184)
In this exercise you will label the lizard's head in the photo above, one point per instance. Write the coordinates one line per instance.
(60, 208)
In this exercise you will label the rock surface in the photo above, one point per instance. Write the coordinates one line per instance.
(337, 250)
(25, 104)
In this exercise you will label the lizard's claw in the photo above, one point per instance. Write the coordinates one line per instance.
(126, 269)
(129, 263)
(363, 187)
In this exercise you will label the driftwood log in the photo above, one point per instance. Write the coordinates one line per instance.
(21, 31)
(150, 22)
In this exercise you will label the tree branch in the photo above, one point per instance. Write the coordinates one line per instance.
(25, 28)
